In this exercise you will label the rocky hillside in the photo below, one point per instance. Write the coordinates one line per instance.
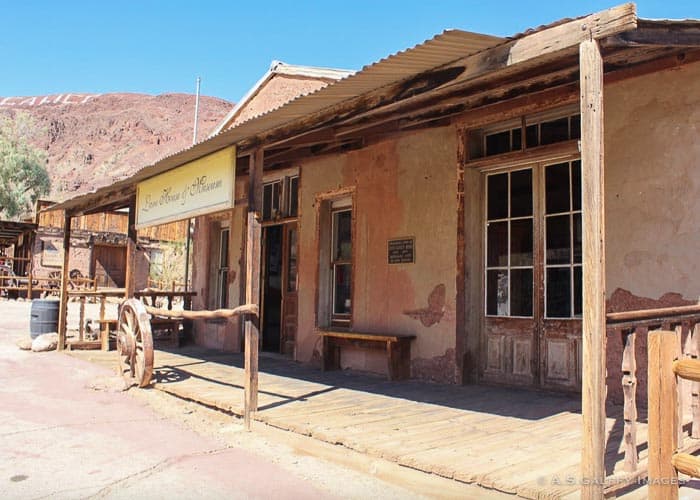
(92, 140)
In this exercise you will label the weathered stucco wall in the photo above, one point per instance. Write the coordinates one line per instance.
(404, 187)
(652, 183)
(652, 186)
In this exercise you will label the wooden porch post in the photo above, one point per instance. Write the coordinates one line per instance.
(252, 285)
(30, 265)
(592, 167)
(130, 278)
(63, 304)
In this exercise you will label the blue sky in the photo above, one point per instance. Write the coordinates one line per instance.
(155, 47)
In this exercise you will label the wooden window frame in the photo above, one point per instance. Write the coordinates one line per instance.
(508, 219)
(340, 319)
(221, 270)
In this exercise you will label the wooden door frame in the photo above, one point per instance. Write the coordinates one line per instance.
(537, 165)
(284, 224)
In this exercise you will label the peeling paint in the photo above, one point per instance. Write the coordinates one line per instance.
(432, 314)
(624, 300)
(438, 369)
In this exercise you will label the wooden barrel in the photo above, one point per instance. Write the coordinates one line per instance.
(43, 317)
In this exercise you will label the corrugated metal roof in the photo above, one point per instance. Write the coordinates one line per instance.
(442, 49)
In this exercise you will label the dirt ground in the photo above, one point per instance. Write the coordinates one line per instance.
(331, 470)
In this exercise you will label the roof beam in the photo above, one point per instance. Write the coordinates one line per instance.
(532, 50)
(667, 34)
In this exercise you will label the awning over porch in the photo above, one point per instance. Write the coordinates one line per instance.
(10, 231)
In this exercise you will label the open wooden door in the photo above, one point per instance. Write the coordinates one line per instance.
(109, 265)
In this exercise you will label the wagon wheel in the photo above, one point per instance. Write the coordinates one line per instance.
(135, 343)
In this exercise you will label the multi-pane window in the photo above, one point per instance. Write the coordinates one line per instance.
(281, 198)
(563, 255)
(509, 244)
(341, 265)
(535, 131)
(223, 269)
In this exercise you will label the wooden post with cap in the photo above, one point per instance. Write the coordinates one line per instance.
(594, 321)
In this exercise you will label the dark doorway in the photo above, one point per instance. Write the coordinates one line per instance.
(272, 288)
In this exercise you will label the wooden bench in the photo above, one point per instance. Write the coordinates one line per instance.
(166, 331)
(107, 326)
(397, 346)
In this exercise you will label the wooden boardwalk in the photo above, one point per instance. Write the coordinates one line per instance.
(516, 441)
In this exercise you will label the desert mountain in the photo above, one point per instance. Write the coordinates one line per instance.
(93, 139)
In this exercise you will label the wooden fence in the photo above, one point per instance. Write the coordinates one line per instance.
(631, 325)
(666, 369)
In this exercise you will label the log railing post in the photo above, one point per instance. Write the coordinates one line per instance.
(629, 389)
(663, 415)
(104, 328)
(252, 285)
(132, 237)
(81, 321)
(63, 303)
(694, 386)
(594, 319)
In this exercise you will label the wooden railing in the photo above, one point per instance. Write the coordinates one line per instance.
(173, 285)
(631, 325)
(666, 371)
(30, 284)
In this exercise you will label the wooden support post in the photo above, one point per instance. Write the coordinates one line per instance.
(104, 328)
(130, 280)
(629, 389)
(252, 285)
(30, 266)
(663, 415)
(81, 321)
(63, 304)
(594, 322)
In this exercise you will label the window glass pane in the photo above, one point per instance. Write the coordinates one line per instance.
(498, 196)
(557, 188)
(531, 136)
(497, 293)
(558, 240)
(576, 184)
(223, 254)
(517, 139)
(521, 292)
(521, 242)
(342, 300)
(223, 288)
(577, 239)
(497, 236)
(267, 202)
(558, 292)
(293, 197)
(554, 131)
(521, 193)
(498, 143)
(342, 237)
(292, 261)
(578, 291)
(576, 127)
(275, 199)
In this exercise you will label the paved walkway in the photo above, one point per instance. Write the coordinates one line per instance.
(515, 441)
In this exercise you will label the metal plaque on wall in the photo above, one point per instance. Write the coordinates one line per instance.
(401, 251)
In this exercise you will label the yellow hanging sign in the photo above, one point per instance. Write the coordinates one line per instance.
(200, 187)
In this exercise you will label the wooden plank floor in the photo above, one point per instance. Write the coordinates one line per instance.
(516, 441)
